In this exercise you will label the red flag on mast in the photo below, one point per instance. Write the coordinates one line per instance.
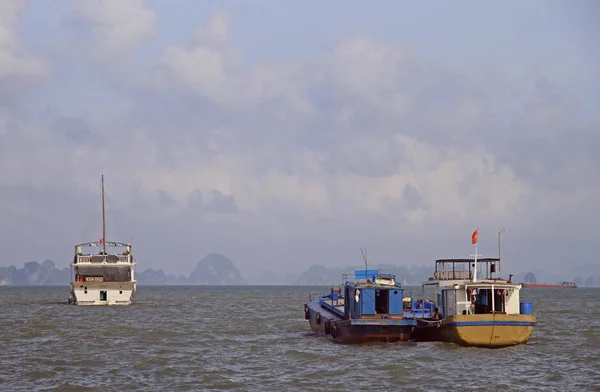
(475, 236)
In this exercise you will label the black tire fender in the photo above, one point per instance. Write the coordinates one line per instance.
(334, 331)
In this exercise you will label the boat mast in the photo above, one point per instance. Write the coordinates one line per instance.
(103, 219)
(500, 231)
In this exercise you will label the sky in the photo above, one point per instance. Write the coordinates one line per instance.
(283, 134)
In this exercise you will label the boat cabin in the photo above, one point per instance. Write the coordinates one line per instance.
(459, 291)
(93, 263)
(371, 293)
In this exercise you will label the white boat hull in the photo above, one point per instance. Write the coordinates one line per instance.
(115, 293)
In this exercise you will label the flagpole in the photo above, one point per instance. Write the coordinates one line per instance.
(475, 240)
(475, 270)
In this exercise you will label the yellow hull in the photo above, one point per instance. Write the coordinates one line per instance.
(485, 330)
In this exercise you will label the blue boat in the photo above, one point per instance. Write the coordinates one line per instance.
(368, 308)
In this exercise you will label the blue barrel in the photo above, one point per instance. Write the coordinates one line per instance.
(526, 308)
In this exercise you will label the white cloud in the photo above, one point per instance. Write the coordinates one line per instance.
(213, 71)
(216, 33)
(362, 66)
(365, 133)
(13, 58)
(362, 171)
(117, 26)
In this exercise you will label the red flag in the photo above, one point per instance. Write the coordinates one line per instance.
(475, 236)
(102, 240)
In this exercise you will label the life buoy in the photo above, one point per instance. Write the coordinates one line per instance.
(334, 331)
(327, 327)
(306, 312)
(318, 318)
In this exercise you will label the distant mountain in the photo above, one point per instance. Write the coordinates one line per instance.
(34, 273)
(215, 269)
(159, 277)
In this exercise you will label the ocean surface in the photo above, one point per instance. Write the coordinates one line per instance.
(255, 338)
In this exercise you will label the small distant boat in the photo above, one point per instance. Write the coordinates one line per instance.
(485, 312)
(564, 285)
(103, 277)
(367, 308)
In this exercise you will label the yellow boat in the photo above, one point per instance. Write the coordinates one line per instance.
(472, 312)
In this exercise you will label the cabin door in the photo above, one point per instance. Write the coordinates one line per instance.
(368, 301)
(450, 302)
(395, 301)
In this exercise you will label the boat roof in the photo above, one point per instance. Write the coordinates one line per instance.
(108, 244)
(482, 260)
(366, 278)
(470, 283)
(373, 285)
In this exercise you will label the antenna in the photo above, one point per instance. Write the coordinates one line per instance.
(364, 256)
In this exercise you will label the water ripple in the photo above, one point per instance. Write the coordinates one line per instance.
(256, 339)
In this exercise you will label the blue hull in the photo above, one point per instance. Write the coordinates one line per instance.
(327, 321)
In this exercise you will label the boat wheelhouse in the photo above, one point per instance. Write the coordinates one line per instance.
(369, 307)
(103, 271)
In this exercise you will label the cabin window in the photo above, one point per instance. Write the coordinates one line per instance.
(102, 295)
(382, 302)
(484, 298)
(120, 291)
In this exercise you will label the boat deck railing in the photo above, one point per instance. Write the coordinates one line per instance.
(333, 305)
(103, 282)
(452, 275)
(99, 259)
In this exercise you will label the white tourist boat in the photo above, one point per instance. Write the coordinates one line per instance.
(103, 271)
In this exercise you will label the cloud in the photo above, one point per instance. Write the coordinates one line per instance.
(222, 204)
(204, 67)
(367, 143)
(14, 61)
(117, 27)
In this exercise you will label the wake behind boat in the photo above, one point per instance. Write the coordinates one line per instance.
(103, 271)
